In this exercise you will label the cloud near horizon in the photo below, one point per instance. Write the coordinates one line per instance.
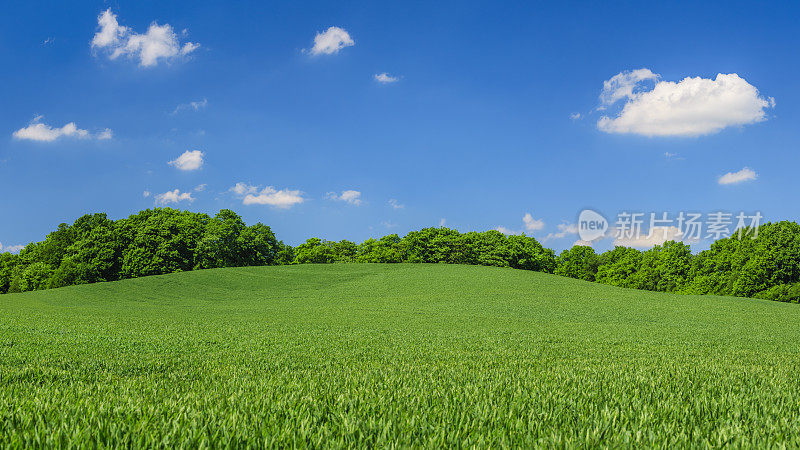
(254, 195)
(173, 196)
(690, 107)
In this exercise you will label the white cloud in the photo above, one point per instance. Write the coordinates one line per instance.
(385, 78)
(690, 107)
(159, 42)
(10, 248)
(657, 236)
(564, 229)
(189, 160)
(395, 204)
(584, 243)
(200, 187)
(528, 221)
(349, 196)
(173, 196)
(746, 174)
(38, 131)
(507, 231)
(623, 84)
(194, 106)
(146, 194)
(575, 116)
(331, 41)
(284, 198)
(442, 222)
(105, 134)
(532, 224)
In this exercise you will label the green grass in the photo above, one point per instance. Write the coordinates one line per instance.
(423, 355)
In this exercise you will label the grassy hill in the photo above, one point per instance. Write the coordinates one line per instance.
(404, 354)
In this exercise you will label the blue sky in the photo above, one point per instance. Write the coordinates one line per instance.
(479, 128)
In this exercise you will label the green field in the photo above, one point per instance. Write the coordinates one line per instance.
(425, 355)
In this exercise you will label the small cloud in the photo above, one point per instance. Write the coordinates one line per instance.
(583, 243)
(395, 204)
(40, 132)
(146, 194)
(191, 106)
(575, 116)
(389, 224)
(528, 221)
(159, 43)
(10, 248)
(532, 224)
(173, 196)
(331, 41)
(283, 198)
(442, 222)
(189, 160)
(385, 78)
(200, 187)
(746, 174)
(349, 196)
(105, 134)
(507, 231)
(48, 41)
(564, 229)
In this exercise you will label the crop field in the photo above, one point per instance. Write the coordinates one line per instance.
(406, 355)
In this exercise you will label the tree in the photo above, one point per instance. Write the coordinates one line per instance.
(579, 262)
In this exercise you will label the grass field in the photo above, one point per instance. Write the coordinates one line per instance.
(425, 355)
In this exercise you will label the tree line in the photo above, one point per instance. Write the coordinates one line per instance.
(163, 240)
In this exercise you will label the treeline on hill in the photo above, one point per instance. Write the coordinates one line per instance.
(164, 240)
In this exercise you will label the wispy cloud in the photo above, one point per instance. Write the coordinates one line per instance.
(191, 106)
(385, 78)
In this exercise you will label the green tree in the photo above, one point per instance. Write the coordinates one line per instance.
(579, 262)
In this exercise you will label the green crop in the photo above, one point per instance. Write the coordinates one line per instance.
(404, 355)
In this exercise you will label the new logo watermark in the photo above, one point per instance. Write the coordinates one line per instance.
(591, 225)
(685, 226)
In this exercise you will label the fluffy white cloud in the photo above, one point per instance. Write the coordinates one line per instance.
(10, 248)
(283, 198)
(173, 196)
(385, 78)
(745, 174)
(194, 106)
(37, 131)
(189, 160)
(349, 196)
(528, 221)
(159, 42)
(331, 41)
(657, 236)
(532, 224)
(690, 107)
(395, 204)
(146, 194)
